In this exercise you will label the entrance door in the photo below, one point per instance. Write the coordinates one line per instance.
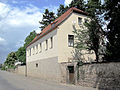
(71, 74)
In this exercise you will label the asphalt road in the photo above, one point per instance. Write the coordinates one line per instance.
(10, 81)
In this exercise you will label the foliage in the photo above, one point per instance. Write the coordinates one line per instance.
(61, 10)
(112, 15)
(21, 52)
(80, 4)
(10, 60)
(48, 17)
(29, 38)
(89, 37)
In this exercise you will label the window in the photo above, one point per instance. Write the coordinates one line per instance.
(36, 49)
(27, 53)
(79, 20)
(36, 64)
(70, 40)
(40, 47)
(33, 50)
(30, 52)
(86, 20)
(46, 44)
(51, 41)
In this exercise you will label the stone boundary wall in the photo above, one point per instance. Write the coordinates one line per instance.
(104, 76)
(21, 70)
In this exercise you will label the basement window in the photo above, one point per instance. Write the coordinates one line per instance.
(36, 64)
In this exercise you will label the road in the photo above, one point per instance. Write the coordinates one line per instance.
(11, 81)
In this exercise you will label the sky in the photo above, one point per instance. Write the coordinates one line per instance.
(20, 17)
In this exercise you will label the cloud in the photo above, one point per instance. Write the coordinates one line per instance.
(51, 8)
(67, 2)
(2, 41)
(16, 23)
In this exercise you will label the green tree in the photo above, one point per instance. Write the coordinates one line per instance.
(113, 35)
(48, 17)
(94, 31)
(29, 38)
(80, 4)
(21, 54)
(61, 10)
(10, 60)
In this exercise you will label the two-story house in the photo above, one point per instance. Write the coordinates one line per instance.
(49, 55)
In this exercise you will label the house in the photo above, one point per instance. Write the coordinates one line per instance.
(49, 55)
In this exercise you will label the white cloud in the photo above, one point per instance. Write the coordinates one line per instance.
(20, 43)
(67, 2)
(16, 23)
(52, 8)
(2, 41)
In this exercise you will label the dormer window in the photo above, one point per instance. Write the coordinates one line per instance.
(79, 20)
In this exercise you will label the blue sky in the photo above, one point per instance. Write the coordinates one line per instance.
(18, 18)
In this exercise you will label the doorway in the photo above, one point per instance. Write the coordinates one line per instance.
(71, 74)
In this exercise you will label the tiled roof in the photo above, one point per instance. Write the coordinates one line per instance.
(56, 23)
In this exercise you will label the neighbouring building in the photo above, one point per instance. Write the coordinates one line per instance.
(49, 55)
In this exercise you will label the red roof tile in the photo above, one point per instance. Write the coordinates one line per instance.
(58, 21)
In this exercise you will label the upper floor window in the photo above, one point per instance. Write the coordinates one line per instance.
(27, 53)
(70, 40)
(40, 47)
(86, 20)
(51, 42)
(36, 49)
(33, 50)
(79, 20)
(46, 44)
(30, 52)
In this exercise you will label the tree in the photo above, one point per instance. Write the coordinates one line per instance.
(61, 10)
(48, 17)
(80, 4)
(21, 52)
(113, 35)
(29, 38)
(10, 60)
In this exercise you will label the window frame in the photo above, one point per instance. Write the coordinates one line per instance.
(46, 48)
(37, 49)
(51, 42)
(79, 20)
(40, 47)
(33, 50)
(70, 41)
